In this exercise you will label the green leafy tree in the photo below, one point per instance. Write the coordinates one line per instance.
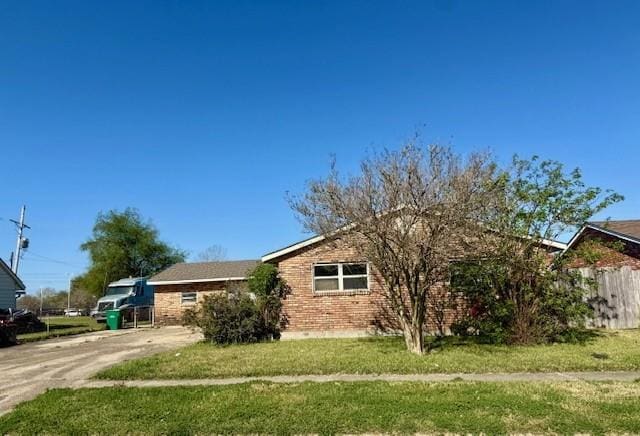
(519, 292)
(123, 245)
(269, 290)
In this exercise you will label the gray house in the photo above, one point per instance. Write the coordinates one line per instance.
(9, 285)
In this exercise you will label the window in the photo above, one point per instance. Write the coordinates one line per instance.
(189, 298)
(341, 277)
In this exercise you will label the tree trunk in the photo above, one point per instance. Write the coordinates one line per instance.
(413, 336)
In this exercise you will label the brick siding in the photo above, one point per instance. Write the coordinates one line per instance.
(305, 310)
(168, 299)
(629, 256)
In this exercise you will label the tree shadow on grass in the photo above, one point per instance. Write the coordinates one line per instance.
(576, 336)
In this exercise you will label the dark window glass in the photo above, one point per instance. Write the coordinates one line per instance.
(355, 283)
(325, 270)
(354, 269)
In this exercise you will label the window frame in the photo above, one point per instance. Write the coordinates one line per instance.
(341, 276)
(188, 302)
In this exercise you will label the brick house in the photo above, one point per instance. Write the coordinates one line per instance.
(615, 268)
(335, 291)
(184, 285)
(625, 234)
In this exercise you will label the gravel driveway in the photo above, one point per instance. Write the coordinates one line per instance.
(28, 370)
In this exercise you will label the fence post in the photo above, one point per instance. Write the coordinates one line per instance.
(135, 317)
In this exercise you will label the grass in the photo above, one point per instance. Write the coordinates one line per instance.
(63, 326)
(617, 350)
(327, 408)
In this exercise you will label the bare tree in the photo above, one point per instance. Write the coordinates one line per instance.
(408, 211)
(213, 253)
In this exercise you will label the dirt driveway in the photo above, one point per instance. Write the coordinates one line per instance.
(28, 370)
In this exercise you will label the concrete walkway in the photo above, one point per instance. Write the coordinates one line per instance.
(623, 376)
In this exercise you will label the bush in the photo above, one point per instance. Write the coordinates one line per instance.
(512, 304)
(226, 319)
(238, 316)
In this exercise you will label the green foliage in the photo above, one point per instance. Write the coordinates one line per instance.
(593, 250)
(226, 319)
(264, 280)
(542, 200)
(240, 317)
(549, 307)
(520, 292)
(269, 290)
(124, 245)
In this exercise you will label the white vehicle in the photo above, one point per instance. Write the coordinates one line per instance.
(73, 312)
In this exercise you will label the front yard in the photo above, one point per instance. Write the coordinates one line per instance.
(326, 408)
(608, 350)
(63, 326)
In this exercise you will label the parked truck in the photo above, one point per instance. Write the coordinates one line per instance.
(124, 293)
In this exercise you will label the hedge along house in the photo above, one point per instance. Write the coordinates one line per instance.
(334, 291)
(615, 266)
(184, 285)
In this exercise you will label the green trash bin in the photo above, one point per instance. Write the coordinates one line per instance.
(114, 319)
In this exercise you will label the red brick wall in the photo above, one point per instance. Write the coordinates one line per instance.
(168, 299)
(308, 311)
(609, 257)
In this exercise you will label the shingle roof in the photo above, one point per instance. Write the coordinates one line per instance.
(205, 271)
(625, 227)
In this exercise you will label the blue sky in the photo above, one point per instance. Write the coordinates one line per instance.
(203, 114)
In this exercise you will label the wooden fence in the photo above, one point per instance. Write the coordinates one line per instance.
(617, 298)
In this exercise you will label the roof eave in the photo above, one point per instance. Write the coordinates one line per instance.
(18, 282)
(598, 228)
(180, 282)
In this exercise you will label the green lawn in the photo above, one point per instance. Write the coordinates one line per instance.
(326, 408)
(63, 326)
(618, 350)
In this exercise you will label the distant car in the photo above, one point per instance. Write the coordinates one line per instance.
(73, 312)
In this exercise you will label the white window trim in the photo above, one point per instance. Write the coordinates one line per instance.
(340, 277)
(188, 303)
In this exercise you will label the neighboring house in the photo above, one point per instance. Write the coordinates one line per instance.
(184, 285)
(10, 284)
(616, 269)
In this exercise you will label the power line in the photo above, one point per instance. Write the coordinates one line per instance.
(42, 258)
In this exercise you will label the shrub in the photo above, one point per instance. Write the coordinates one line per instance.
(238, 316)
(226, 318)
(510, 304)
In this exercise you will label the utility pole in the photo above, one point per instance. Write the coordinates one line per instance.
(69, 298)
(21, 243)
